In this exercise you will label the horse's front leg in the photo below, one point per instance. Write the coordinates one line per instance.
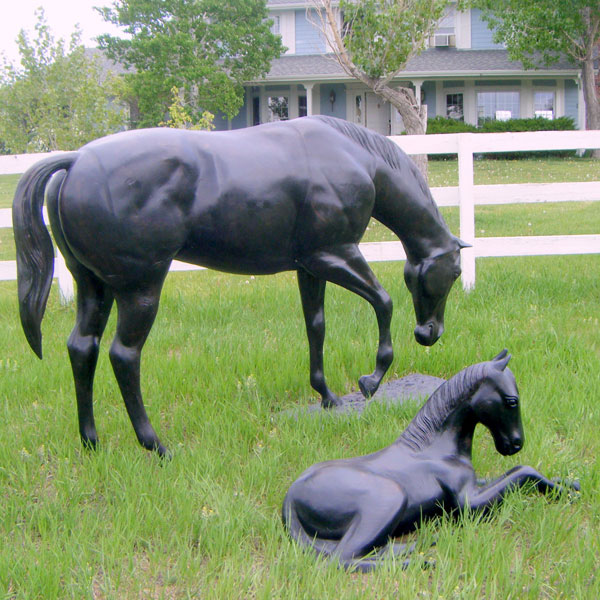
(312, 293)
(345, 266)
(483, 497)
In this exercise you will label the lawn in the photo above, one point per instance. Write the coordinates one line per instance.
(226, 358)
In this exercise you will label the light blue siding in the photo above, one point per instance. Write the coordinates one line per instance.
(339, 106)
(481, 36)
(429, 88)
(240, 120)
(220, 122)
(572, 101)
(308, 38)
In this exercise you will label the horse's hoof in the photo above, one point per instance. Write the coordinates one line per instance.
(567, 485)
(330, 401)
(90, 444)
(368, 385)
(163, 452)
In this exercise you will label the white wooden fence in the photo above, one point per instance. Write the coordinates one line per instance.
(466, 195)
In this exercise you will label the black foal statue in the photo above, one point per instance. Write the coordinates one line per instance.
(354, 507)
(296, 195)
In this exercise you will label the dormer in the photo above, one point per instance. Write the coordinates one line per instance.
(283, 15)
(453, 30)
(292, 20)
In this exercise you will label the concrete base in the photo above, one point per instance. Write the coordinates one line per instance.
(411, 387)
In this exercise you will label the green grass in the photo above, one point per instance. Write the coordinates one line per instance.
(8, 184)
(444, 173)
(226, 355)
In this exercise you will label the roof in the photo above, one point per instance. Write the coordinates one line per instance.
(287, 4)
(433, 62)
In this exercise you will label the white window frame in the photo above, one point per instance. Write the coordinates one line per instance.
(451, 92)
(548, 90)
(496, 90)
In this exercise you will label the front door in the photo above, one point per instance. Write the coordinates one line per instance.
(377, 113)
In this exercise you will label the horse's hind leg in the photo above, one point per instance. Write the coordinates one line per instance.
(94, 302)
(312, 293)
(346, 266)
(137, 311)
(380, 511)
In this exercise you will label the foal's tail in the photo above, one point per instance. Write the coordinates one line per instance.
(35, 253)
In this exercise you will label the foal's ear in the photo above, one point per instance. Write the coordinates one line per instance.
(501, 360)
(501, 355)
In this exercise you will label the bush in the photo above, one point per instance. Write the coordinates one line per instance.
(445, 125)
(534, 124)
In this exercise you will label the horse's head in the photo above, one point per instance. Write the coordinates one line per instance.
(496, 405)
(429, 282)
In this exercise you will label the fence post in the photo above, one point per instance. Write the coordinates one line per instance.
(65, 280)
(466, 200)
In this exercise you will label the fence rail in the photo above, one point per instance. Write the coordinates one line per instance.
(466, 195)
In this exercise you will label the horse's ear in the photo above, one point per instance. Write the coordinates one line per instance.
(501, 360)
(501, 355)
(462, 244)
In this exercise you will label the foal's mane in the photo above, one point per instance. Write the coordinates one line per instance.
(381, 146)
(442, 402)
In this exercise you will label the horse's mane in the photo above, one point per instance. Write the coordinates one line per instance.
(441, 403)
(381, 146)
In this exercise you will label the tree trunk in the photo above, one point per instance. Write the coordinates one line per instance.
(414, 116)
(592, 104)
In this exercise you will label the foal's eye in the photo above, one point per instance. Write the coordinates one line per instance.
(511, 401)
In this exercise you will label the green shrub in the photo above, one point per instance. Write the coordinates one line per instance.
(534, 124)
(444, 125)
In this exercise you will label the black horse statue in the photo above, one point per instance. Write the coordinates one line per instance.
(283, 196)
(352, 507)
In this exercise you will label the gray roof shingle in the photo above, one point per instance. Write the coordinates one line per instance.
(432, 61)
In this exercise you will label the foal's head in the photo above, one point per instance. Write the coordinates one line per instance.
(496, 405)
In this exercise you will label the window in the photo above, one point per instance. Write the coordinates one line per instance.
(276, 27)
(302, 106)
(499, 106)
(359, 110)
(543, 104)
(454, 107)
(278, 108)
(255, 110)
(447, 22)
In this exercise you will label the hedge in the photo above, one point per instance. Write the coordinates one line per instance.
(445, 125)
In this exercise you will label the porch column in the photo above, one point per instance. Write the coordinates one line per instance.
(309, 98)
(581, 117)
(418, 83)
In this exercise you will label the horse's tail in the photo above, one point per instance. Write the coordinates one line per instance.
(299, 534)
(35, 253)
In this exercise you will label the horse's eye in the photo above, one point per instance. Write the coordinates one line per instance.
(511, 401)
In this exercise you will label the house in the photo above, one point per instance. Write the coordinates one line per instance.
(463, 75)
